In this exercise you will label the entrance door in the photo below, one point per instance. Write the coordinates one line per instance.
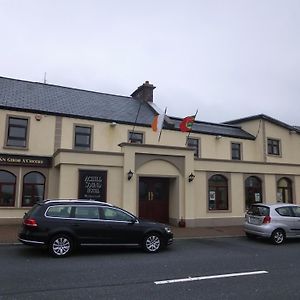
(154, 199)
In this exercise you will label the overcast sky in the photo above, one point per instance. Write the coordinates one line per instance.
(227, 58)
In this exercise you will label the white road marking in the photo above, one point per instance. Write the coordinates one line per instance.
(210, 277)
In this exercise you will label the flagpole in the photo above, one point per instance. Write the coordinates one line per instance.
(191, 127)
(137, 115)
(162, 125)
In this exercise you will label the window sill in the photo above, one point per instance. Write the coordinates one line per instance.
(15, 148)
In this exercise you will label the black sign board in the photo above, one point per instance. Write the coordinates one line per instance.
(25, 160)
(92, 185)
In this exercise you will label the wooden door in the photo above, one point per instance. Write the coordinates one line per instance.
(154, 199)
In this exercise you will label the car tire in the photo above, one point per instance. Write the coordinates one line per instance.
(152, 243)
(61, 245)
(278, 237)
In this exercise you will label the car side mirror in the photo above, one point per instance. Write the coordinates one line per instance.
(133, 221)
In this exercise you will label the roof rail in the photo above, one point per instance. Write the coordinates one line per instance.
(77, 200)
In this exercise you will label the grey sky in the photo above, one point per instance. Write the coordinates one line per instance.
(230, 59)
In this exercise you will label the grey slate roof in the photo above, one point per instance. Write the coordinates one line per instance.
(57, 100)
(217, 129)
(52, 99)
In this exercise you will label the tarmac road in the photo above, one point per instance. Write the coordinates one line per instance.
(211, 268)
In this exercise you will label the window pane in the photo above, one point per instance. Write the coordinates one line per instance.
(82, 140)
(7, 177)
(87, 212)
(273, 147)
(84, 130)
(34, 177)
(115, 215)
(236, 151)
(59, 211)
(136, 137)
(18, 122)
(7, 194)
(82, 137)
(17, 132)
(218, 193)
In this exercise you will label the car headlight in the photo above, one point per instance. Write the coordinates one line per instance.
(168, 230)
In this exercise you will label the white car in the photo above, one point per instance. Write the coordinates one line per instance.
(276, 221)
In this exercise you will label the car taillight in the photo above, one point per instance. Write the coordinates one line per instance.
(267, 219)
(30, 222)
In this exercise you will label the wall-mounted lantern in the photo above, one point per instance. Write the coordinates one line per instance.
(129, 175)
(191, 177)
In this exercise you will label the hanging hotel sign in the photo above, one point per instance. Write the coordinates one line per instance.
(92, 185)
(25, 160)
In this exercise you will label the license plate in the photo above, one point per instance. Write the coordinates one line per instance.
(253, 220)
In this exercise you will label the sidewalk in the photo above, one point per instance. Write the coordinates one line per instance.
(8, 233)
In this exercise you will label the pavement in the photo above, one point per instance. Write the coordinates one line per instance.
(8, 233)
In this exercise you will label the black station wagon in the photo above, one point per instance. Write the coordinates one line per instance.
(62, 225)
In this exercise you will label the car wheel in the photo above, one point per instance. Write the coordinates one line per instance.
(278, 237)
(152, 243)
(61, 245)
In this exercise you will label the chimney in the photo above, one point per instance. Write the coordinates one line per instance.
(144, 92)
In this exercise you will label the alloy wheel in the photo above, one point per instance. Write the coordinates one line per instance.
(152, 243)
(61, 246)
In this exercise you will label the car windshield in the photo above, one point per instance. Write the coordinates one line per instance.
(258, 210)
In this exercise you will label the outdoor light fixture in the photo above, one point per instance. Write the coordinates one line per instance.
(218, 137)
(191, 177)
(129, 175)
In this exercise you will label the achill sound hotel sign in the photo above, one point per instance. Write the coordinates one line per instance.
(25, 161)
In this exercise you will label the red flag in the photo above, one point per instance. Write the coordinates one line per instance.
(187, 123)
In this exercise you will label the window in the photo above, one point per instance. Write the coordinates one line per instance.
(253, 191)
(284, 211)
(33, 188)
(7, 188)
(17, 132)
(284, 190)
(235, 151)
(296, 211)
(273, 147)
(86, 212)
(194, 144)
(116, 215)
(83, 137)
(136, 137)
(218, 193)
(60, 211)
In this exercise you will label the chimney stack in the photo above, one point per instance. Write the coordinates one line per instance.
(144, 92)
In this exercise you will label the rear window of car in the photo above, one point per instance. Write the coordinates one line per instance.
(34, 209)
(259, 210)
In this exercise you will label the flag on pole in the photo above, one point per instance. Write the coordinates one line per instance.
(158, 123)
(187, 123)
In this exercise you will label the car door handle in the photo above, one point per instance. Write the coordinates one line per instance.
(75, 225)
